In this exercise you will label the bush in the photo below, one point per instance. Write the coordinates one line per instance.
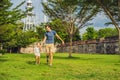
(3, 51)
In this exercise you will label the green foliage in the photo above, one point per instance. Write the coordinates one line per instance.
(8, 14)
(107, 32)
(79, 67)
(11, 34)
(6, 32)
(3, 51)
(91, 33)
(77, 36)
(59, 27)
(40, 31)
(25, 38)
(84, 36)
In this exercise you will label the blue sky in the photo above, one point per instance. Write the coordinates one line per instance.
(98, 21)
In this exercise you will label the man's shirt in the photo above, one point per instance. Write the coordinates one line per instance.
(50, 36)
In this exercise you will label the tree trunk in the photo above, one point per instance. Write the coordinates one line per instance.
(10, 50)
(1, 46)
(70, 49)
(18, 51)
(113, 21)
(119, 6)
(119, 41)
(119, 28)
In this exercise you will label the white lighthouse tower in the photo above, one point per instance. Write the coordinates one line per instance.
(29, 22)
(45, 17)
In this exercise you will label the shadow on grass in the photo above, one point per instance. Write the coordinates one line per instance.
(3, 59)
(27, 55)
(3, 76)
(31, 62)
(58, 57)
(76, 58)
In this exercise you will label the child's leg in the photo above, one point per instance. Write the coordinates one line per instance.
(38, 59)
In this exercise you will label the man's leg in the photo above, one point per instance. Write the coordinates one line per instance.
(47, 54)
(51, 58)
(51, 53)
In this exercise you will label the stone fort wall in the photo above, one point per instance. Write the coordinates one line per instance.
(108, 46)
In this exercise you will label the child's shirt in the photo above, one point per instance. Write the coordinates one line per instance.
(37, 51)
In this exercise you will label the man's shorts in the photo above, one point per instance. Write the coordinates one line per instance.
(49, 48)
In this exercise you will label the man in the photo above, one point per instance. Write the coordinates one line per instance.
(49, 40)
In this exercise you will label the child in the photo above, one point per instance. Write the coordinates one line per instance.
(37, 49)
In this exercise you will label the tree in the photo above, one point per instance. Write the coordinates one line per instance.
(40, 30)
(113, 12)
(107, 32)
(58, 26)
(90, 34)
(72, 13)
(24, 39)
(12, 36)
(8, 14)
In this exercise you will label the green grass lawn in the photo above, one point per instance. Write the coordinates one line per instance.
(79, 67)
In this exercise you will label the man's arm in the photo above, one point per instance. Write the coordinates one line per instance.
(59, 38)
(44, 39)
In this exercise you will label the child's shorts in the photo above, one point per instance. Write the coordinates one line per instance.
(37, 54)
